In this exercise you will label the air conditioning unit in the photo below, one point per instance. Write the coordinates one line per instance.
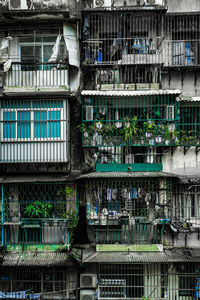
(20, 4)
(88, 281)
(87, 295)
(102, 3)
(107, 77)
(170, 112)
(89, 113)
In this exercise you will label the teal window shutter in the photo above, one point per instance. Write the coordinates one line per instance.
(9, 129)
(54, 124)
(40, 124)
(23, 124)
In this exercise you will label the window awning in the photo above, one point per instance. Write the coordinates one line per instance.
(119, 175)
(35, 259)
(166, 256)
(130, 93)
(188, 99)
(35, 178)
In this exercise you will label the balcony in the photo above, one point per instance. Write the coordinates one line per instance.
(123, 51)
(34, 131)
(125, 119)
(127, 211)
(136, 234)
(131, 39)
(41, 77)
(36, 214)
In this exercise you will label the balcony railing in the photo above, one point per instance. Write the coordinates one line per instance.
(37, 76)
(117, 159)
(126, 51)
(128, 234)
(38, 214)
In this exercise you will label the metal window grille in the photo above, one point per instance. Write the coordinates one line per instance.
(186, 206)
(181, 47)
(125, 211)
(154, 119)
(150, 281)
(38, 214)
(128, 38)
(42, 281)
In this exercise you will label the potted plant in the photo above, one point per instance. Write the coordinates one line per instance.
(167, 135)
(130, 130)
(149, 127)
(158, 133)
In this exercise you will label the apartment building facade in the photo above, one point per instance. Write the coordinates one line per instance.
(100, 149)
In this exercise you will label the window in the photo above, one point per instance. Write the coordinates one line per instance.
(54, 124)
(40, 125)
(23, 124)
(39, 119)
(9, 129)
(34, 50)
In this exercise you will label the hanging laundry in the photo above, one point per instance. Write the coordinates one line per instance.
(114, 194)
(133, 193)
(5, 43)
(109, 194)
(86, 27)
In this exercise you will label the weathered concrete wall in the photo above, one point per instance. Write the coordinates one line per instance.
(188, 164)
(183, 5)
(187, 86)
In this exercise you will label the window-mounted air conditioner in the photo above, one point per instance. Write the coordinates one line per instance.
(102, 3)
(170, 112)
(87, 295)
(89, 113)
(20, 4)
(88, 281)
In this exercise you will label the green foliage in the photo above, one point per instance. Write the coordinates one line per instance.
(38, 210)
(130, 130)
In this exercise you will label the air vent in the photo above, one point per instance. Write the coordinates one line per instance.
(89, 113)
(20, 4)
(88, 281)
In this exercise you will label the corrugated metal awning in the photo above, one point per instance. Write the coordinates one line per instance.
(166, 256)
(130, 93)
(125, 175)
(35, 259)
(188, 99)
(35, 178)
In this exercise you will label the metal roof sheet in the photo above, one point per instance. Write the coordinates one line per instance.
(35, 178)
(130, 93)
(125, 175)
(175, 255)
(35, 259)
(188, 99)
